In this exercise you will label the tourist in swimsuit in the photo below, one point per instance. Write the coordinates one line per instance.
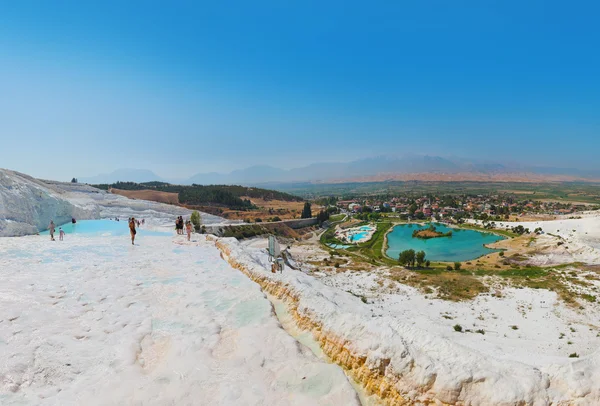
(188, 228)
(132, 230)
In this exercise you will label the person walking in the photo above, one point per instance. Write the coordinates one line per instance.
(188, 228)
(61, 233)
(51, 228)
(132, 230)
(180, 225)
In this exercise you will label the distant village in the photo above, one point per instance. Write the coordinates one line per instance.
(455, 209)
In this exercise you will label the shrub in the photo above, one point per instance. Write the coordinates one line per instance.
(501, 253)
(276, 218)
(196, 220)
(514, 327)
(427, 263)
(458, 327)
(449, 268)
(574, 355)
(337, 265)
(480, 331)
(457, 266)
(258, 220)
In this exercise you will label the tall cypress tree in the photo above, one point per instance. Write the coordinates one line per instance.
(306, 212)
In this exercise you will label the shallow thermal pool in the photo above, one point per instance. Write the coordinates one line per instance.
(359, 234)
(104, 227)
(463, 245)
(95, 320)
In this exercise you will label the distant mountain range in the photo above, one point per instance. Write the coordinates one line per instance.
(370, 169)
(125, 175)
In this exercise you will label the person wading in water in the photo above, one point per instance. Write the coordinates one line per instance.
(132, 230)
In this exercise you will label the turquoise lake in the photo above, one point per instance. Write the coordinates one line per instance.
(464, 245)
(103, 227)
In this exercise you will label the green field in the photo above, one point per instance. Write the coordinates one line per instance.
(561, 191)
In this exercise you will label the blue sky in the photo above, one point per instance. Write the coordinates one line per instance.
(187, 87)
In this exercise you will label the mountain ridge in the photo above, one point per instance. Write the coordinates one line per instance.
(409, 167)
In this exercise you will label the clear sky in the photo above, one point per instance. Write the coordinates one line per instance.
(88, 87)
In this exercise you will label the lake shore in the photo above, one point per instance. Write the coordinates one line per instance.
(432, 245)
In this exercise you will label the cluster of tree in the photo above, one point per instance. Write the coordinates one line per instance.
(411, 258)
(233, 197)
(457, 266)
(368, 216)
(323, 216)
(203, 195)
(327, 201)
(448, 201)
(258, 193)
(74, 180)
(418, 215)
(487, 217)
(460, 217)
(235, 190)
(246, 231)
(430, 232)
(160, 186)
(500, 210)
(306, 211)
(520, 230)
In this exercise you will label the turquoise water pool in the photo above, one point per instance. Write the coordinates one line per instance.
(338, 246)
(357, 236)
(100, 227)
(464, 245)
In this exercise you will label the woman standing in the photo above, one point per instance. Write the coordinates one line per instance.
(51, 228)
(132, 230)
(188, 228)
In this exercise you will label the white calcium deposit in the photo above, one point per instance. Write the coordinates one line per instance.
(27, 205)
(425, 365)
(579, 239)
(93, 320)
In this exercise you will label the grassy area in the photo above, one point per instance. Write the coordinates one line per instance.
(370, 251)
(560, 191)
(465, 285)
(448, 285)
(336, 217)
(373, 248)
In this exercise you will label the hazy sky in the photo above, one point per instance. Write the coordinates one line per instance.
(91, 86)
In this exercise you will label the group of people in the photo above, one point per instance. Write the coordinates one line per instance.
(133, 223)
(179, 225)
(52, 229)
